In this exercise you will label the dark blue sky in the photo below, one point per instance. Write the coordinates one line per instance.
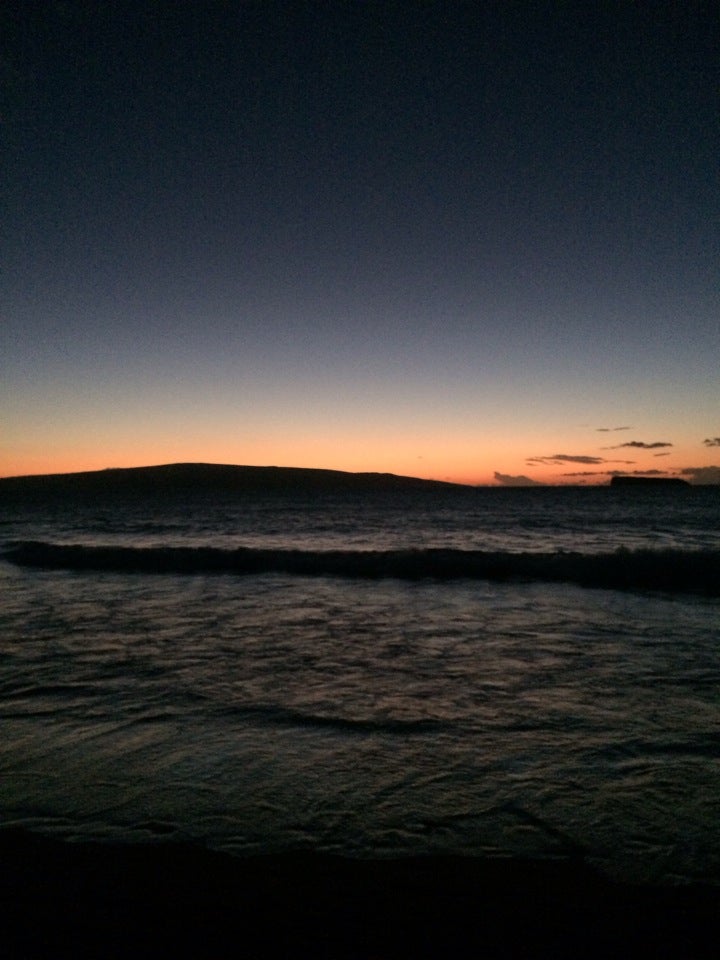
(432, 238)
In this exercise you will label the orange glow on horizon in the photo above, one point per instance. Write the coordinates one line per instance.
(456, 468)
(456, 456)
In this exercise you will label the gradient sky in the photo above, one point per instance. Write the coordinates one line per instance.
(469, 241)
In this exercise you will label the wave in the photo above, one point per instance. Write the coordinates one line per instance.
(282, 717)
(674, 570)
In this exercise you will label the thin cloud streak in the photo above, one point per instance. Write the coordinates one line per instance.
(640, 445)
(696, 475)
(615, 473)
(586, 473)
(638, 473)
(557, 459)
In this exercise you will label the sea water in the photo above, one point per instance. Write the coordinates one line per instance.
(381, 714)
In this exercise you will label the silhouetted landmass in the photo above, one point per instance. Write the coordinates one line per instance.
(85, 900)
(648, 482)
(182, 478)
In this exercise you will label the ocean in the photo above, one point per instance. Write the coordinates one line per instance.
(490, 672)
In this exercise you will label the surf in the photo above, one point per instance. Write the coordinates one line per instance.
(667, 570)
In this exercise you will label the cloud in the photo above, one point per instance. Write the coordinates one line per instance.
(638, 473)
(702, 474)
(556, 458)
(661, 454)
(712, 442)
(587, 473)
(610, 429)
(507, 480)
(640, 445)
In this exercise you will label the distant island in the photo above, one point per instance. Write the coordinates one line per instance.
(228, 479)
(212, 478)
(648, 482)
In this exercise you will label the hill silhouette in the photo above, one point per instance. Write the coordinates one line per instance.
(212, 478)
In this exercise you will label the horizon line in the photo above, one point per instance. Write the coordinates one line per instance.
(325, 470)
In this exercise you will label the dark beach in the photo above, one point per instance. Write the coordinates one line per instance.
(91, 900)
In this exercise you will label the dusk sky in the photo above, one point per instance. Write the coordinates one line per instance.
(469, 241)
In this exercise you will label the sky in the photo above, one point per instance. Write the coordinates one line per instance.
(466, 241)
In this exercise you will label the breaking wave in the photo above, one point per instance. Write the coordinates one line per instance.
(674, 570)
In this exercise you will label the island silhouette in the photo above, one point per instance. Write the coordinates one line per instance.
(179, 478)
(217, 478)
(628, 481)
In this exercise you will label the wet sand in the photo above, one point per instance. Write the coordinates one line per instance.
(164, 900)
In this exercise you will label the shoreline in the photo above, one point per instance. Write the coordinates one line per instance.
(62, 899)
